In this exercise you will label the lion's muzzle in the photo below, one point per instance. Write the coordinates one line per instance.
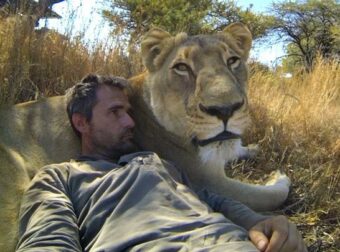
(223, 136)
(222, 112)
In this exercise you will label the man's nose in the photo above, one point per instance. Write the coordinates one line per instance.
(128, 121)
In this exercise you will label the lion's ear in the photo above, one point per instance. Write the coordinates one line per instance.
(152, 46)
(242, 35)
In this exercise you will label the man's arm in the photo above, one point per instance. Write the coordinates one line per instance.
(268, 233)
(47, 219)
(277, 234)
(233, 210)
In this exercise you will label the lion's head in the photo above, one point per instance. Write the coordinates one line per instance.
(194, 108)
(197, 84)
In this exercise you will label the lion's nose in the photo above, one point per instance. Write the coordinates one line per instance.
(222, 112)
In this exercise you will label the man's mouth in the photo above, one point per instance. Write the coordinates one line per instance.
(225, 135)
(128, 135)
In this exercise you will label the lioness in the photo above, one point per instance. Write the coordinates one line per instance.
(190, 107)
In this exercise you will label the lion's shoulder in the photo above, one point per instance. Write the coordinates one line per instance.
(136, 83)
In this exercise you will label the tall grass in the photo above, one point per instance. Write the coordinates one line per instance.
(37, 63)
(296, 120)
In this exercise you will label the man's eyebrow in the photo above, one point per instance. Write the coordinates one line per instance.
(119, 106)
(116, 106)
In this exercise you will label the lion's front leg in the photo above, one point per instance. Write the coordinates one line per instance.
(249, 152)
(278, 179)
(259, 197)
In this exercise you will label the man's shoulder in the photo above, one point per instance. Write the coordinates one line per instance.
(55, 168)
(58, 166)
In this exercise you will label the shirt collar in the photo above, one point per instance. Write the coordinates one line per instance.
(123, 160)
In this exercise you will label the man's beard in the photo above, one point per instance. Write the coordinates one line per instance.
(124, 146)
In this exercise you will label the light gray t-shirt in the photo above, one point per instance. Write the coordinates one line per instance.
(138, 204)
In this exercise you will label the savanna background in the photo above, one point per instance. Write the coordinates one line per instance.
(295, 101)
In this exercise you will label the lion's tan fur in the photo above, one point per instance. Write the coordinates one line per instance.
(31, 135)
(167, 117)
(173, 99)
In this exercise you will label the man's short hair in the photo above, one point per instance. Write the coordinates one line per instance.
(82, 97)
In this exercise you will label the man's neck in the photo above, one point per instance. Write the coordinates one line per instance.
(87, 150)
(96, 156)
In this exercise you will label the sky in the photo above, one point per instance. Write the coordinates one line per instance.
(89, 22)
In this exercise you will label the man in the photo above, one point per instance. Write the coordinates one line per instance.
(115, 199)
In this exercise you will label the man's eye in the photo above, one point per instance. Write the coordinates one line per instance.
(115, 111)
(181, 69)
(233, 62)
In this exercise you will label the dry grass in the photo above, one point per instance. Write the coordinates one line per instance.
(296, 120)
(44, 63)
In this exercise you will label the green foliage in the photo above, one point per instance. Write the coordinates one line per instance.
(37, 9)
(293, 61)
(226, 12)
(135, 17)
(310, 27)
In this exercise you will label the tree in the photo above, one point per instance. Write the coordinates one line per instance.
(35, 9)
(226, 12)
(310, 28)
(134, 17)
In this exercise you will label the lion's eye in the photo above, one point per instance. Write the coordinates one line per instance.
(233, 62)
(181, 68)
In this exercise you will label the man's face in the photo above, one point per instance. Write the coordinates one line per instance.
(110, 128)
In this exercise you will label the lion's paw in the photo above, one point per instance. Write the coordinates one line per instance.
(253, 150)
(279, 179)
(250, 151)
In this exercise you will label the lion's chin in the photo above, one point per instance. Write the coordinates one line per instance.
(223, 136)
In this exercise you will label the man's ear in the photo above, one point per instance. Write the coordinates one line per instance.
(241, 34)
(80, 123)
